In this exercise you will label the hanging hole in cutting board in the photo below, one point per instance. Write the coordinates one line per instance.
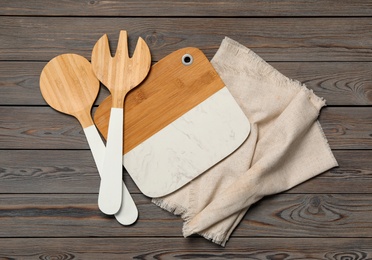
(187, 59)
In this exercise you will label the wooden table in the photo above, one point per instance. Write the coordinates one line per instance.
(48, 180)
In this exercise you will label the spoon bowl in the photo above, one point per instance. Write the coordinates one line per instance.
(68, 84)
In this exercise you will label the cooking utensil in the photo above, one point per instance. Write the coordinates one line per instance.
(119, 74)
(179, 122)
(69, 85)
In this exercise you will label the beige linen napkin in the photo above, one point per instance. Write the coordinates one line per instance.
(286, 146)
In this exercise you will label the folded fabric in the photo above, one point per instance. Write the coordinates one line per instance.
(286, 146)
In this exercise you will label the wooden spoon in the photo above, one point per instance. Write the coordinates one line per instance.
(69, 85)
(119, 74)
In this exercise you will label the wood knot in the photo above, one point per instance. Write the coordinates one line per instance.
(347, 255)
(315, 205)
(280, 256)
(155, 38)
(56, 256)
(314, 211)
(92, 2)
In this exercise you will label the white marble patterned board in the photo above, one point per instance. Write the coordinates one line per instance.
(188, 146)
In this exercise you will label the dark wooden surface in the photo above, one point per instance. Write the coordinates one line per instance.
(48, 180)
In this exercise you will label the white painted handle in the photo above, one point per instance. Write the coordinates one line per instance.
(110, 190)
(96, 145)
(128, 212)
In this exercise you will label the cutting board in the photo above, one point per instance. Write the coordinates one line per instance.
(178, 123)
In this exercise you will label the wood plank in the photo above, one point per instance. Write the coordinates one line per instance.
(312, 215)
(49, 171)
(74, 171)
(39, 128)
(186, 8)
(354, 175)
(190, 248)
(341, 83)
(78, 215)
(44, 128)
(284, 215)
(275, 39)
(347, 128)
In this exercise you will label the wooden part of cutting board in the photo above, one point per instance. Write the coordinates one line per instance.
(170, 90)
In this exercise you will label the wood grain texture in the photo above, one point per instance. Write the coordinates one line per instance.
(341, 83)
(179, 248)
(313, 215)
(207, 8)
(44, 128)
(347, 128)
(354, 175)
(283, 215)
(74, 171)
(274, 39)
(49, 171)
(39, 128)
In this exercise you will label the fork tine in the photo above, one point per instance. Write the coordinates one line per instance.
(141, 56)
(122, 48)
(101, 55)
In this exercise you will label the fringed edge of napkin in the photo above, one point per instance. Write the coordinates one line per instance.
(178, 210)
(173, 208)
